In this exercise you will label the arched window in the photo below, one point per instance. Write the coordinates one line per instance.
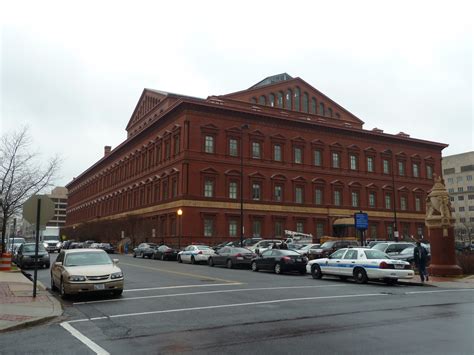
(280, 99)
(313, 105)
(297, 99)
(321, 109)
(288, 99)
(253, 100)
(305, 102)
(329, 112)
(271, 100)
(262, 100)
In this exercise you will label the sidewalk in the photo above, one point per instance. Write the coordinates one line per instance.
(18, 308)
(438, 281)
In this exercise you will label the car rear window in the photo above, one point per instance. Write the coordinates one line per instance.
(31, 248)
(380, 246)
(375, 254)
(328, 245)
(203, 247)
(288, 252)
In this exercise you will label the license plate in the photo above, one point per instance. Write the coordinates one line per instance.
(399, 266)
(99, 287)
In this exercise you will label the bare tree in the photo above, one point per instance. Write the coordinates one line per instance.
(21, 174)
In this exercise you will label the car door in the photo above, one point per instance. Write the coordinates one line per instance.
(220, 258)
(187, 253)
(56, 269)
(391, 250)
(350, 261)
(264, 261)
(335, 262)
(18, 255)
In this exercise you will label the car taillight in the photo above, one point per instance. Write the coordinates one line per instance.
(408, 267)
(286, 259)
(384, 265)
(200, 252)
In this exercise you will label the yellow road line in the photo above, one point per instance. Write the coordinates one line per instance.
(182, 273)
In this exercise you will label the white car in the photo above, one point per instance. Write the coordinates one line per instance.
(361, 264)
(195, 254)
(263, 245)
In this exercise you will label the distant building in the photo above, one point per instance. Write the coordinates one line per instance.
(308, 166)
(458, 172)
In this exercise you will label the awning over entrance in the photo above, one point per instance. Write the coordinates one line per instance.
(345, 221)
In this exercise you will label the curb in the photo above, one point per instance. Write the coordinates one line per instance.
(28, 324)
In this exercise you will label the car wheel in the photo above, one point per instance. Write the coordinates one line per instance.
(162, 257)
(316, 271)
(390, 282)
(360, 276)
(179, 259)
(210, 262)
(117, 292)
(134, 255)
(277, 268)
(193, 261)
(53, 286)
(62, 291)
(254, 266)
(230, 265)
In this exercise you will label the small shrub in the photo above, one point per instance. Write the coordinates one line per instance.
(466, 262)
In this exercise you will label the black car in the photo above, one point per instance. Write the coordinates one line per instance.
(164, 252)
(107, 247)
(145, 250)
(330, 247)
(25, 256)
(280, 260)
(231, 256)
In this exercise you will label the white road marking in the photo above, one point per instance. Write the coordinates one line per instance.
(85, 340)
(230, 305)
(206, 292)
(181, 286)
(439, 291)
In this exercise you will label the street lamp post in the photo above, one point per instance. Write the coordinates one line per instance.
(180, 213)
(395, 224)
(244, 126)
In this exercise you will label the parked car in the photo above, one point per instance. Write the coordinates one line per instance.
(164, 252)
(392, 248)
(361, 264)
(145, 250)
(88, 243)
(407, 254)
(250, 241)
(371, 243)
(306, 249)
(263, 245)
(76, 245)
(224, 244)
(329, 247)
(67, 244)
(25, 256)
(231, 256)
(107, 247)
(52, 243)
(195, 254)
(14, 243)
(86, 271)
(280, 260)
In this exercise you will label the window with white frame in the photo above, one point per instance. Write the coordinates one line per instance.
(388, 201)
(370, 164)
(277, 152)
(317, 158)
(298, 155)
(256, 150)
(401, 168)
(337, 198)
(256, 191)
(386, 166)
(278, 193)
(416, 170)
(372, 199)
(353, 162)
(417, 203)
(318, 196)
(232, 228)
(299, 191)
(403, 203)
(208, 227)
(355, 199)
(209, 188)
(233, 147)
(233, 189)
(336, 160)
(209, 144)
(300, 227)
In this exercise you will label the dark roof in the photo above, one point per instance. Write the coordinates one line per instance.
(272, 80)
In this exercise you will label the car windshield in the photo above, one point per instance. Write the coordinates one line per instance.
(31, 248)
(203, 247)
(266, 244)
(240, 250)
(17, 240)
(408, 250)
(380, 246)
(327, 245)
(288, 252)
(375, 254)
(82, 259)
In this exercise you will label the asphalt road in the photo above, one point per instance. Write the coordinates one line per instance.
(169, 307)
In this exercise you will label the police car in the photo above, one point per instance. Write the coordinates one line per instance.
(195, 254)
(362, 265)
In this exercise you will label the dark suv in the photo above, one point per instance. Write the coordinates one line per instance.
(330, 247)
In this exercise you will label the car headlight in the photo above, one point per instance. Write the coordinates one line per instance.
(77, 278)
(116, 275)
(45, 244)
(58, 245)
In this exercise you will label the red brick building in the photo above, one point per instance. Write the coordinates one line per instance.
(307, 163)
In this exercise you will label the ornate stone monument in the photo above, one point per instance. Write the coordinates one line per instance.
(440, 224)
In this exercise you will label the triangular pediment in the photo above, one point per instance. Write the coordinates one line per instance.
(257, 175)
(353, 147)
(319, 181)
(257, 133)
(278, 137)
(298, 139)
(232, 172)
(209, 171)
(147, 102)
(299, 179)
(210, 127)
(278, 177)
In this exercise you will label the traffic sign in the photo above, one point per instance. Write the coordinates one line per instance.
(46, 210)
(361, 221)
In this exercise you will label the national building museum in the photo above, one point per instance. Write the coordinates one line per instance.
(278, 156)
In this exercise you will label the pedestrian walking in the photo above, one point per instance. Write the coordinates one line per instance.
(421, 257)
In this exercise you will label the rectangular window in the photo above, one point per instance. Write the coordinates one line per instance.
(371, 199)
(388, 201)
(386, 166)
(208, 188)
(167, 149)
(373, 231)
(176, 145)
(470, 197)
(460, 198)
(256, 190)
(471, 208)
(317, 156)
(208, 227)
(390, 231)
(233, 190)
(417, 204)
(277, 193)
(401, 168)
(232, 228)
(370, 164)
(416, 170)
(470, 188)
(459, 179)
(450, 180)
(461, 209)
(257, 228)
(460, 189)
(300, 227)
(299, 194)
(318, 196)
(233, 147)
(451, 190)
(336, 160)
(403, 203)
(278, 228)
(174, 188)
(209, 144)
(469, 178)
(319, 229)
(277, 152)
(298, 155)
(256, 152)
(337, 198)
(462, 219)
(429, 171)
(448, 171)
(353, 160)
(355, 199)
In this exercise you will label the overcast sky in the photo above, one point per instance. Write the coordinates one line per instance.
(74, 74)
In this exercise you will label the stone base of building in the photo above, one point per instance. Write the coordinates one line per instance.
(444, 270)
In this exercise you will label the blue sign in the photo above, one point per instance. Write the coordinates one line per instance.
(361, 221)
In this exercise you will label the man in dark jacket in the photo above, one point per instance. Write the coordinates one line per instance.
(421, 258)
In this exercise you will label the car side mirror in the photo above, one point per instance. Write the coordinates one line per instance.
(115, 261)
(58, 263)
(329, 257)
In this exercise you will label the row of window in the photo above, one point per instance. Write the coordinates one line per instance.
(463, 209)
(256, 152)
(459, 179)
(461, 198)
(293, 100)
(461, 189)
